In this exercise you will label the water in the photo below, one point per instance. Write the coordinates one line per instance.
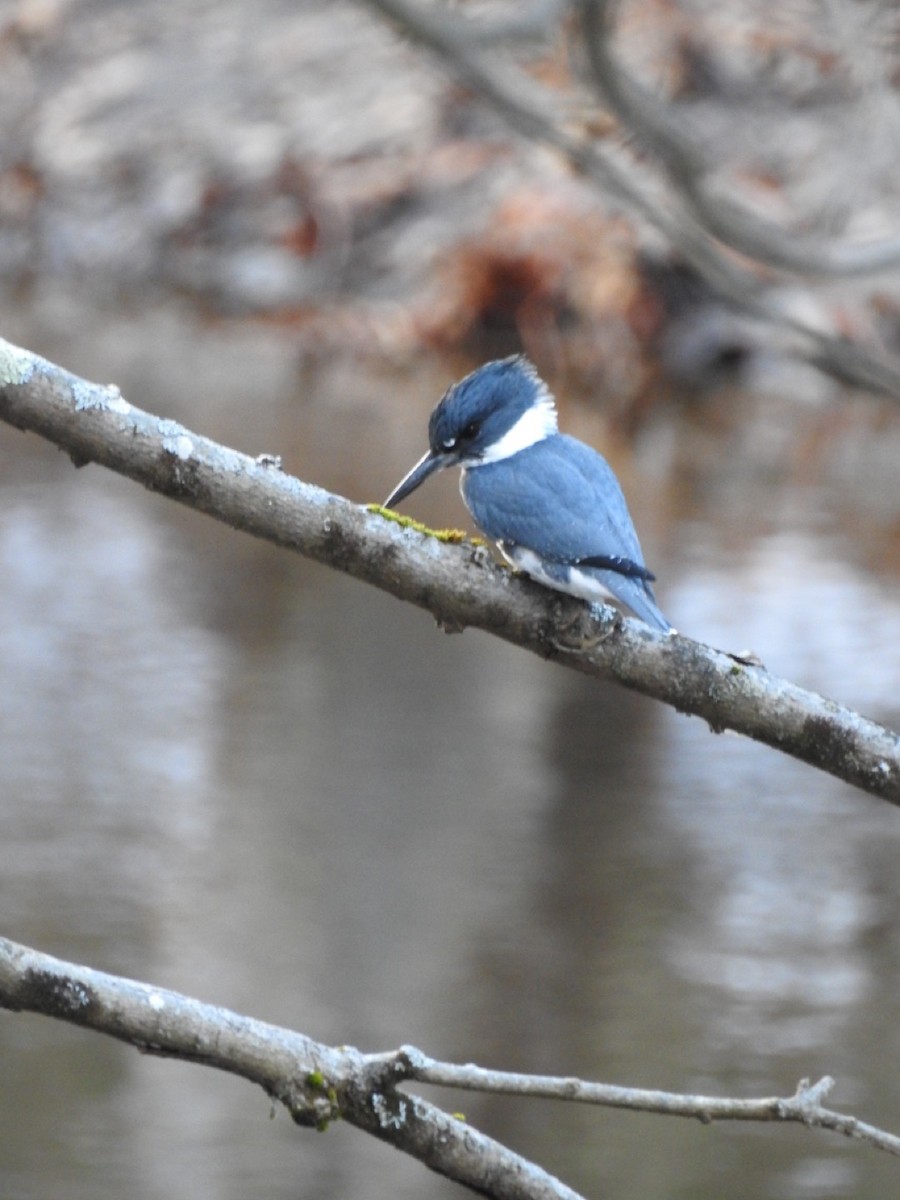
(231, 772)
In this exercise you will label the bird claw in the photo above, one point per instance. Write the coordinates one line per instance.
(580, 632)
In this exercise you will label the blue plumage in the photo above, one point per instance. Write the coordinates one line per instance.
(550, 502)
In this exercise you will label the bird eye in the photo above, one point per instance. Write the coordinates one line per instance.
(470, 431)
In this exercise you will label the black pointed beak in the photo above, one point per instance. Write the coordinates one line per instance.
(427, 465)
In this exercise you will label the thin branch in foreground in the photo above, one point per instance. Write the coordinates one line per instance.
(805, 1106)
(316, 1083)
(319, 1083)
(459, 584)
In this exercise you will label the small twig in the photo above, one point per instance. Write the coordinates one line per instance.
(690, 223)
(805, 1106)
(731, 223)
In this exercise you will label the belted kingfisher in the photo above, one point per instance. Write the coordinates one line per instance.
(551, 503)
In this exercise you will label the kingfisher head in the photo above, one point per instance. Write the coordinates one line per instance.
(497, 411)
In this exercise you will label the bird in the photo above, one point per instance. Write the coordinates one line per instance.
(549, 502)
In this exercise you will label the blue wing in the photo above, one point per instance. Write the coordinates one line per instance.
(560, 499)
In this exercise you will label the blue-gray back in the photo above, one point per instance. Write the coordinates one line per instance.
(559, 498)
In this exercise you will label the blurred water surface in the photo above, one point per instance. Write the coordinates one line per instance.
(237, 774)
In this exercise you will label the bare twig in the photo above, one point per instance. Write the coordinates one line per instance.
(731, 223)
(694, 225)
(805, 1106)
(536, 115)
(459, 584)
(319, 1083)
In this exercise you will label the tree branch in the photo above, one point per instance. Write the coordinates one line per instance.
(319, 1083)
(459, 584)
(804, 1106)
(688, 219)
(316, 1083)
(731, 223)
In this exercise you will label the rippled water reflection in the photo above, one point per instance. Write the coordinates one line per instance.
(236, 774)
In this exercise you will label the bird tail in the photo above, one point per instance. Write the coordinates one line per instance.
(637, 596)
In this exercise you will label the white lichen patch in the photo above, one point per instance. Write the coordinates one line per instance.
(17, 365)
(88, 395)
(116, 402)
(156, 1001)
(387, 1118)
(181, 446)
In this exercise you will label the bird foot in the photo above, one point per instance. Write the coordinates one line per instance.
(585, 629)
